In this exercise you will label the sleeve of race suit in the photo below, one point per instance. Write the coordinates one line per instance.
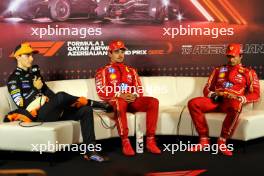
(103, 88)
(209, 88)
(22, 100)
(252, 93)
(137, 83)
(15, 91)
(46, 90)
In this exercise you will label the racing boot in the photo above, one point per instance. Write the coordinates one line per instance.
(223, 148)
(152, 146)
(204, 142)
(127, 148)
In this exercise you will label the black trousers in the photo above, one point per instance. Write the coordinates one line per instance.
(59, 108)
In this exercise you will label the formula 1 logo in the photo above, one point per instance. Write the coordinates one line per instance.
(47, 48)
(178, 173)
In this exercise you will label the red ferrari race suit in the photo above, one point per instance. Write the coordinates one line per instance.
(116, 78)
(236, 80)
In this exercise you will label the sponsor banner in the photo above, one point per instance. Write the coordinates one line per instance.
(212, 49)
(174, 38)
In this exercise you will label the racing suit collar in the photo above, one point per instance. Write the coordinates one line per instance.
(236, 66)
(21, 70)
(117, 64)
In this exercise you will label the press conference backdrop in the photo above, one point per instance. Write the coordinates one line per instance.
(186, 37)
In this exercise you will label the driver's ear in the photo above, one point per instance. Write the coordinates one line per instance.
(17, 57)
(110, 53)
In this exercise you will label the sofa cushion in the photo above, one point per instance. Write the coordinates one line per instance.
(250, 124)
(20, 138)
(245, 129)
(101, 131)
(167, 120)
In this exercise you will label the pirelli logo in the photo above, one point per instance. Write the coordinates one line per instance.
(47, 49)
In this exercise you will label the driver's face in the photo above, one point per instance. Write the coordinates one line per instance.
(25, 60)
(117, 56)
(234, 60)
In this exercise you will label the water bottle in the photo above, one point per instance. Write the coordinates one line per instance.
(140, 140)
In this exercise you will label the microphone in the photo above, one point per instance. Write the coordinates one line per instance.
(35, 70)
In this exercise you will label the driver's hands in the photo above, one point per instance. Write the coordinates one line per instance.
(37, 83)
(128, 97)
(227, 95)
(219, 93)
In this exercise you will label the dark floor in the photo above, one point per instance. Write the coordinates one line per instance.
(247, 160)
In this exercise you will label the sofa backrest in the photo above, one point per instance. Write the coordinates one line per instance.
(162, 88)
(169, 90)
(179, 90)
(188, 88)
(5, 105)
(259, 105)
(92, 94)
(78, 87)
(173, 90)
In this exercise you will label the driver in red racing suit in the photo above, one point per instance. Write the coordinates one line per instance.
(228, 88)
(120, 85)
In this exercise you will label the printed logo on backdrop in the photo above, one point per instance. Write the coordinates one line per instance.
(100, 48)
(46, 48)
(90, 48)
(220, 49)
(87, 48)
